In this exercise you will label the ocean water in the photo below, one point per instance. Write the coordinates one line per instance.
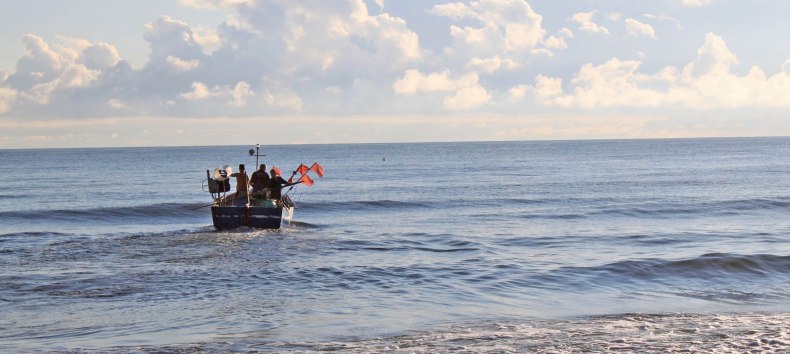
(559, 246)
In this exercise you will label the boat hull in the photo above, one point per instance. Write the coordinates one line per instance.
(259, 217)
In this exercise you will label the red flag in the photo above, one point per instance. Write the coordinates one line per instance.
(306, 180)
(317, 169)
(302, 169)
(277, 170)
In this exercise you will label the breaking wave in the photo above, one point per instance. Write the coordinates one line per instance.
(707, 265)
(142, 213)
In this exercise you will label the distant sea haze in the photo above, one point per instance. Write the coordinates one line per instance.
(561, 246)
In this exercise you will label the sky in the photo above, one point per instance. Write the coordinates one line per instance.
(92, 73)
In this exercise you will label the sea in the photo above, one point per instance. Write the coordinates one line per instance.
(667, 245)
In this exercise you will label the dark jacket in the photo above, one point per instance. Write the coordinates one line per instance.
(276, 186)
(260, 180)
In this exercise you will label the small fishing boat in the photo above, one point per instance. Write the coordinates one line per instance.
(260, 214)
(253, 209)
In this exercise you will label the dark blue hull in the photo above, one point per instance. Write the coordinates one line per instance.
(259, 217)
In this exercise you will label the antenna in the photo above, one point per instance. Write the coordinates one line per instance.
(257, 154)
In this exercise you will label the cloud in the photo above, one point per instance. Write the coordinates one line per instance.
(706, 83)
(584, 19)
(7, 96)
(492, 65)
(506, 25)
(182, 65)
(468, 93)
(169, 37)
(336, 57)
(241, 93)
(614, 83)
(199, 92)
(213, 4)
(414, 81)
(39, 65)
(45, 72)
(636, 28)
(117, 104)
(558, 41)
(544, 90)
(236, 96)
(208, 38)
(665, 18)
(99, 56)
(468, 97)
(712, 58)
(287, 101)
(697, 2)
(275, 47)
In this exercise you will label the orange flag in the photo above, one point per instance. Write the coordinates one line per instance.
(306, 180)
(317, 169)
(302, 169)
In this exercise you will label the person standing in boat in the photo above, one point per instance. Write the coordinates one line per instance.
(260, 182)
(276, 185)
(242, 182)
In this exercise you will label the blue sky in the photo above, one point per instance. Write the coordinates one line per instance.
(206, 72)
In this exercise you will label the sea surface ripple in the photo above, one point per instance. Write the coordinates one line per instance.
(558, 246)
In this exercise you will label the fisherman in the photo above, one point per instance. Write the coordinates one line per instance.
(242, 182)
(276, 185)
(260, 182)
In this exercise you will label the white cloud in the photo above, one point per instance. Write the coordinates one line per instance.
(507, 25)
(77, 76)
(712, 58)
(199, 92)
(39, 64)
(558, 41)
(492, 65)
(468, 97)
(170, 37)
(302, 44)
(413, 81)
(468, 91)
(7, 97)
(665, 18)
(182, 65)
(236, 96)
(45, 71)
(706, 83)
(241, 93)
(334, 90)
(545, 88)
(213, 4)
(335, 57)
(585, 21)
(636, 28)
(697, 2)
(117, 104)
(283, 100)
(614, 83)
(99, 56)
(208, 38)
